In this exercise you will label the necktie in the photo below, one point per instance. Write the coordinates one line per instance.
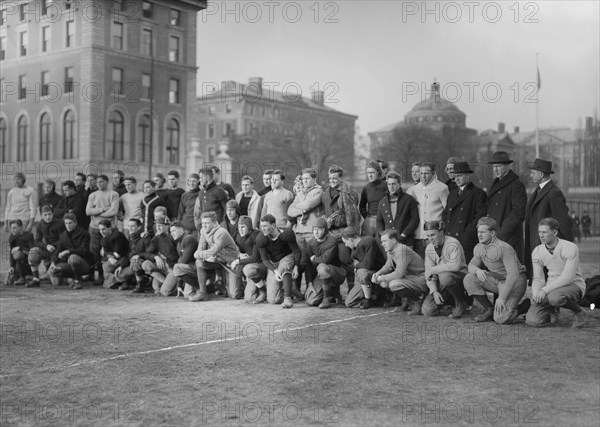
(535, 193)
(460, 190)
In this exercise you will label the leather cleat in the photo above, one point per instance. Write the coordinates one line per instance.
(486, 316)
(366, 304)
(523, 307)
(287, 303)
(33, 283)
(139, 289)
(124, 286)
(582, 319)
(554, 316)
(77, 285)
(262, 297)
(198, 296)
(394, 302)
(20, 281)
(458, 311)
(416, 308)
(325, 303)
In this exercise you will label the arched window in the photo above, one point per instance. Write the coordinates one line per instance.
(3, 141)
(69, 135)
(45, 137)
(173, 142)
(22, 139)
(144, 139)
(114, 146)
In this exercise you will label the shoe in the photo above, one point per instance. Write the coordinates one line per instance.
(77, 285)
(139, 289)
(458, 311)
(124, 286)
(523, 307)
(34, 282)
(20, 281)
(405, 304)
(297, 294)
(70, 282)
(554, 316)
(198, 296)
(416, 309)
(99, 281)
(157, 292)
(262, 297)
(486, 316)
(325, 303)
(366, 304)
(287, 303)
(581, 320)
(394, 302)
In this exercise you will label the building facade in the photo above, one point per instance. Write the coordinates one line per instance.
(264, 129)
(81, 79)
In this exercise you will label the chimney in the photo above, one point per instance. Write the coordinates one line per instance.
(589, 126)
(255, 83)
(318, 97)
(501, 127)
(517, 129)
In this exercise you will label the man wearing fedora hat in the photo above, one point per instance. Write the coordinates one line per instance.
(506, 202)
(466, 204)
(547, 201)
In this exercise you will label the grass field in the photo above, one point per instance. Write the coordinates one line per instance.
(100, 357)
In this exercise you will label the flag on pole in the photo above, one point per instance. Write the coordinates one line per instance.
(539, 79)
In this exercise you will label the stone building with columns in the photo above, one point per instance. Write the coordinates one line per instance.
(80, 81)
(249, 128)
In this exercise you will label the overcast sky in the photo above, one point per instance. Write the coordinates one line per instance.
(377, 59)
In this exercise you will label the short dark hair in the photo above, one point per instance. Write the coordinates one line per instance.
(70, 216)
(15, 221)
(487, 221)
(429, 165)
(103, 177)
(131, 178)
(137, 221)
(175, 174)
(268, 172)
(149, 181)
(394, 175)
(349, 233)
(280, 173)
(161, 176)
(81, 174)
(70, 184)
(120, 173)
(105, 222)
(177, 224)
(392, 233)
(93, 175)
(214, 168)
(268, 218)
(247, 178)
(336, 169)
(210, 215)
(310, 171)
(382, 163)
(550, 222)
(207, 171)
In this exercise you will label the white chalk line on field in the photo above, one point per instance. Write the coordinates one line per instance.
(195, 344)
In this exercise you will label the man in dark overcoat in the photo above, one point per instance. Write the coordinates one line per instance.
(506, 200)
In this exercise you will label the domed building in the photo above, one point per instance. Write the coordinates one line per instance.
(436, 112)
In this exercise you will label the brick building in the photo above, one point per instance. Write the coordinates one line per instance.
(262, 129)
(77, 80)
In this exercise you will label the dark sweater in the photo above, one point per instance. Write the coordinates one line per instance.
(275, 250)
(23, 241)
(75, 204)
(172, 199)
(48, 233)
(369, 254)
(116, 244)
(77, 242)
(370, 196)
(248, 246)
(138, 245)
(186, 246)
(163, 244)
(185, 212)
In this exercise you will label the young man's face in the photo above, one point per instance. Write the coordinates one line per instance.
(47, 217)
(231, 213)
(450, 171)
(162, 228)
(176, 232)
(266, 179)
(19, 182)
(15, 229)
(133, 227)
(243, 229)
(276, 181)
(318, 233)
(266, 227)
(435, 237)
(116, 178)
(349, 243)
(393, 185)
(79, 180)
(426, 175)
(387, 243)
(193, 183)
(307, 180)
(102, 184)
(46, 187)
(148, 189)
(484, 234)
(246, 187)
(91, 182)
(207, 225)
(547, 235)
(334, 179)
(68, 191)
(104, 231)
(173, 181)
(70, 224)
(205, 179)
(130, 186)
(371, 174)
(158, 181)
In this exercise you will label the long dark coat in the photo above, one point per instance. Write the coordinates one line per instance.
(461, 215)
(549, 203)
(506, 200)
(406, 220)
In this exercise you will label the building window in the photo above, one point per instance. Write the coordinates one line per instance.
(22, 12)
(175, 17)
(2, 14)
(144, 134)
(174, 49)
(117, 35)
(23, 43)
(117, 79)
(119, 5)
(45, 38)
(3, 140)
(22, 87)
(44, 8)
(146, 41)
(173, 142)
(173, 91)
(45, 137)
(147, 9)
(22, 139)
(68, 79)
(68, 4)
(114, 146)
(44, 80)
(210, 133)
(69, 135)
(146, 82)
(2, 48)
(70, 33)
(228, 108)
(228, 129)
(212, 154)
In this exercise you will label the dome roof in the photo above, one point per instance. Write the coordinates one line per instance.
(435, 109)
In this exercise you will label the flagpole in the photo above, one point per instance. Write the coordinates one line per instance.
(537, 110)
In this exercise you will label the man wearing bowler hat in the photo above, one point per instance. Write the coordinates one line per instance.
(466, 204)
(506, 202)
(547, 201)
